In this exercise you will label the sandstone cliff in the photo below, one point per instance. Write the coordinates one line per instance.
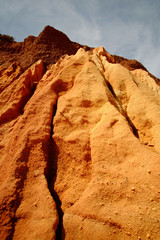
(79, 147)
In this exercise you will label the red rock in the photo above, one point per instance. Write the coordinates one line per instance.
(49, 46)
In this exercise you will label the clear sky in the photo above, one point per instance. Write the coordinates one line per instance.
(129, 28)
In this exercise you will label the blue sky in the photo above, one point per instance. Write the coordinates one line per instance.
(129, 28)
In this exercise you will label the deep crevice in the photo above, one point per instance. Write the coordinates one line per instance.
(51, 174)
(60, 213)
(134, 130)
(53, 115)
(111, 90)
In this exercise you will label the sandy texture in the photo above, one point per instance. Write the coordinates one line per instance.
(28, 210)
(83, 151)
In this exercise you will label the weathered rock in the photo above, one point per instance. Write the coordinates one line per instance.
(100, 155)
(50, 46)
(27, 208)
(84, 151)
(16, 92)
(7, 76)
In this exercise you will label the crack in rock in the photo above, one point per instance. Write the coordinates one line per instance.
(50, 174)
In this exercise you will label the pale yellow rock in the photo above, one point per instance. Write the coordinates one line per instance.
(98, 151)
(139, 99)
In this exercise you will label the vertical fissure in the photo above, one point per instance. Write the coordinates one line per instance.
(51, 174)
(134, 130)
(60, 213)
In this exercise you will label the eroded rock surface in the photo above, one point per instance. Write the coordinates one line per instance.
(80, 159)
(50, 45)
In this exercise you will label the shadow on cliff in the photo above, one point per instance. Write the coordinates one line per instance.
(51, 175)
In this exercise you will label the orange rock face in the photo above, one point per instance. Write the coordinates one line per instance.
(80, 155)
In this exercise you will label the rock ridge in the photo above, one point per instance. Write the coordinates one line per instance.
(80, 155)
(50, 46)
